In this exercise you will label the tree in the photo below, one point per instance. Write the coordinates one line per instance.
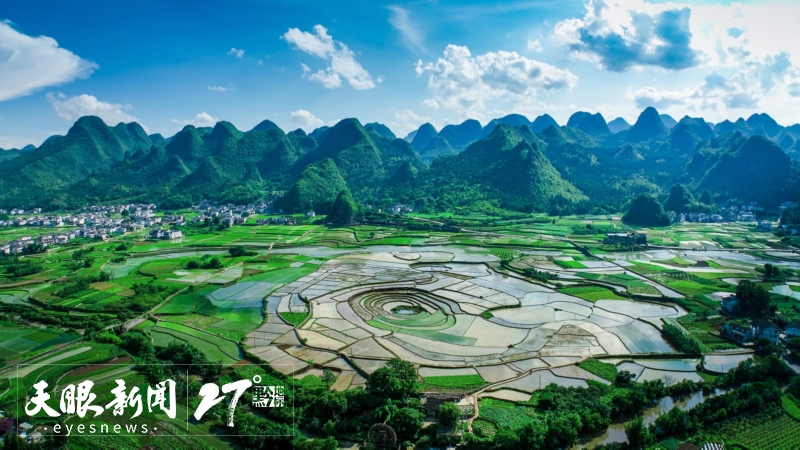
(680, 199)
(344, 209)
(706, 198)
(406, 374)
(624, 378)
(213, 263)
(638, 435)
(771, 271)
(328, 443)
(753, 299)
(34, 248)
(449, 414)
(237, 250)
(406, 423)
(646, 211)
(794, 346)
(329, 405)
(397, 380)
(533, 435)
(561, 431)
(506, 439)
(137, 343)
(328, 377)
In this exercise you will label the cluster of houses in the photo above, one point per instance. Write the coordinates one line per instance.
(757, 329)
(93, 223)
(278, 221)
(20, 211)
(24, 430)
(231, 214)
(732, 213)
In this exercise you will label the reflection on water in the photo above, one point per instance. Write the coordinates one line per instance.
(659, 255)
(616, 431)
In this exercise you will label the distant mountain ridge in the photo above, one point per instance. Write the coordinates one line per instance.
(511, 163)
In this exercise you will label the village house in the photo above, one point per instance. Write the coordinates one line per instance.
(765, 225)
(793, 329)
(23, 429)
(432, 402)
(767, 330)
(737, 332)
(160, 233)
(730, 304)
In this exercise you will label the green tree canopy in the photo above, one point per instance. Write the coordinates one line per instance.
(753, 299)
(344, 209)
(646, 211)
(449, 414)
(680, 199)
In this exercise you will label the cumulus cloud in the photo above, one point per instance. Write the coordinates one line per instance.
(650, 96)
(239, 53)
(430, 103)
(534, 45)
(464, 83)
(73, 108)
(201, 120)
(743, 90)
(341, 60)
(407, 121)
(28, 64)
(401, 21)
(305, 119)
(621, 34)
(750, 61)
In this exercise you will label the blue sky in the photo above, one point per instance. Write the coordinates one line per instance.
(305, 63)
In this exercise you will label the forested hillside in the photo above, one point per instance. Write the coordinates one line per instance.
(512, 163)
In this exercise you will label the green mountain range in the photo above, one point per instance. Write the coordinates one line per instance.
(511, 163)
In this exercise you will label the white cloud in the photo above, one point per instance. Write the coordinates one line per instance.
(73, 108)
(771, 81)
(534, 46)
(328, 78)
(623, 34)
(305, 120)
(239, 53)
(430, 103)
(342, 62)
(219, 88)
(464, 83)
(28, 64)
(401, 21)
(201, 120)
(745, 52)
(407, 121)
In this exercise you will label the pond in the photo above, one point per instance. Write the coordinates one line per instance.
(408, 310)
(616, 431)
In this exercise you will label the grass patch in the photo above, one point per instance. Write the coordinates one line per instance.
(790, 406)
(591, 293)
(603, 370)
(453, 383)
(215, 347)
(294, 318)
(569, 264)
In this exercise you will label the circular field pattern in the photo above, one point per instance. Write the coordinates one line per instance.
(451, 314)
